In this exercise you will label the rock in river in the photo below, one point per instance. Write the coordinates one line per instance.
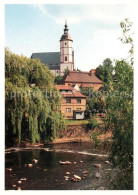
(67, 173)
(35, 161)
(77, 178)
(30, 165)
(65, 163)
(85, 172)
(107, 162)
(97, 165)
(97, 175)
(23, 179)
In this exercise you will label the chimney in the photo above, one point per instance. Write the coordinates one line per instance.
(92, 71)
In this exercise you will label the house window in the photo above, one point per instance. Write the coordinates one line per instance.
(57, 71)
(78, 108)
(65, 58)
(68, 100)
(68, 109)
(65, 43)
(79, 101)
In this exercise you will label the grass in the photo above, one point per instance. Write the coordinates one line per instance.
(76, 122)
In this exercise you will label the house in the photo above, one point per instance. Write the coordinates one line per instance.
(82, 79)
(58, 62)
(73, 103)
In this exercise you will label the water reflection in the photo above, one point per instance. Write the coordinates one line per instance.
(48, 174)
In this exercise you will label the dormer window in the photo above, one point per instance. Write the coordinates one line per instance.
(65, 58)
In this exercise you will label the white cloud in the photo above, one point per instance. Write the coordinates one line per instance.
(104, 13)
(105, 44)
(41, 8)
(58, 18)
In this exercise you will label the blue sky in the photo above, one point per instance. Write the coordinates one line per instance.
(94, 29)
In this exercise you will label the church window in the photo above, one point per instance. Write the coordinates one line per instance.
(65, 58)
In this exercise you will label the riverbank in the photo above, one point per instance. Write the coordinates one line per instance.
(75, 132)
(81, 133)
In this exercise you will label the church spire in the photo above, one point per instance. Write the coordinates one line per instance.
(66, 27)
(66, 35)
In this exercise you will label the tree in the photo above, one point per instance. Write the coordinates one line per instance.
(120, 114)
(105, 71)
(30, 99)
(66, 71)
(58, 79)
(94, 100)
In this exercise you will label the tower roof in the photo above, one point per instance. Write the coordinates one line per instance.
(66, 35)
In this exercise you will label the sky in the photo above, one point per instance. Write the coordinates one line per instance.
(95, 30)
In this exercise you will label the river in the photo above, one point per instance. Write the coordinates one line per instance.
(48, 173)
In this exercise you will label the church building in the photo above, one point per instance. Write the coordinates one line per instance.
(58, 62)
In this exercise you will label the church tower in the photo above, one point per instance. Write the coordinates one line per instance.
(66, 51)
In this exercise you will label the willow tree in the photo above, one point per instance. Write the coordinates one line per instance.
(30, 99)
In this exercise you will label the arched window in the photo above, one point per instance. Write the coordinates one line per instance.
(65, 58)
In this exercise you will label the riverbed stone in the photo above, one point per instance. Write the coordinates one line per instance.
(107, 162)
(23, 179)
(77, 178)
(85, 175)
(67, 173)
(85, 172)
(30, 165)
(35, 161)
(97, 165)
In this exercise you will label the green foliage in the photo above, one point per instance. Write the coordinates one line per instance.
(123, 180)
(58, 79)
(93, 123)
(94, 100)
(126, 26)
(66, 71)
(105, 71)
(30, 100)
(120, 115)
(77, 69)
(95, 139)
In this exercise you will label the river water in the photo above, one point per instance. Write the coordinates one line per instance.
(48, 173)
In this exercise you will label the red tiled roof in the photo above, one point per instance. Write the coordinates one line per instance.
(64, 87)
(81, 77)
(74, 93)
(86, 85)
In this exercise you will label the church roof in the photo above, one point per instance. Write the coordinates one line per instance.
(51, 59)
(80, 77)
